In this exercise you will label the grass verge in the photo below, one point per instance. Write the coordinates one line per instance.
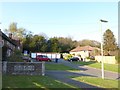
(106, 83)
(11, 81)
(58, 67)
(109, 67)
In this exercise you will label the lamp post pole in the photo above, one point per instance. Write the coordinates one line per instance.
(102, 66)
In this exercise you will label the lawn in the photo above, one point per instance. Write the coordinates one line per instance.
(56, 66)
(106, 83)
(32, 82)
(0, 80)
(109, 67)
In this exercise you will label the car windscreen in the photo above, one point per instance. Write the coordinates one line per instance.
(39, 56)
(45, 57)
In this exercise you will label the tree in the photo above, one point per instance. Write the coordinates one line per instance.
(36, 43)
(17, 33)
(12, 29)
(53, 44)
(27, 42)
(39, 43)
(87, 42)
(109, 42)
(66, 44)
(95, 52)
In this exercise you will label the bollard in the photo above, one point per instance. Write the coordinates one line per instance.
(56, 60)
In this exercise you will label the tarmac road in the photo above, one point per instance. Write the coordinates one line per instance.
(84, 71)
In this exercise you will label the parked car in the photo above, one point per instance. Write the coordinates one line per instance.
(78, 57)
(42, 58)
(26, 58)
(73, 59)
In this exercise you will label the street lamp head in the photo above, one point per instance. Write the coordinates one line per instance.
(103, 20)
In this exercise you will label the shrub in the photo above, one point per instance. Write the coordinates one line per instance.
(117, 56)
(117, 59)
(15, 57)
(91, 58)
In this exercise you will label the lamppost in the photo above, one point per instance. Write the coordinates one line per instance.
(102, 66)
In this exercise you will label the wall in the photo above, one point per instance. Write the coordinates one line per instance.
(24, 68)
(106, 59)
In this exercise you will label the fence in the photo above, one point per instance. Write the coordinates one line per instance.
(106, 59)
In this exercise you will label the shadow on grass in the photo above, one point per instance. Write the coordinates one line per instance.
(11, 82)
(63, 65)
(54, 66)
(82, 63)
(66, 77)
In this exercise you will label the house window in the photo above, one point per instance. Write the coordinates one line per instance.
(18, 48)
(8, 52)
(1, 43)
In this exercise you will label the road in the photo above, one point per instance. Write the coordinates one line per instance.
(90, 70)
(64, 76)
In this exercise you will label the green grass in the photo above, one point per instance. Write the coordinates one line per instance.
(75, 71)
(106, 83)
(58, 67)
(33, 82)
(0, 80)
(109, 67)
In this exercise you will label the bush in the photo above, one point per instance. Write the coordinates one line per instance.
(15, 57)
(91, 58)
(117, 56)
(117, 59)
(87, 57)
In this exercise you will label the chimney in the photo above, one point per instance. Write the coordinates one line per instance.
(10, 35)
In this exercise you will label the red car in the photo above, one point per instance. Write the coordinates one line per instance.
(42, 58)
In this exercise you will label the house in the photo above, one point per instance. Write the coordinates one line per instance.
(83, 51)
(8, 45)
